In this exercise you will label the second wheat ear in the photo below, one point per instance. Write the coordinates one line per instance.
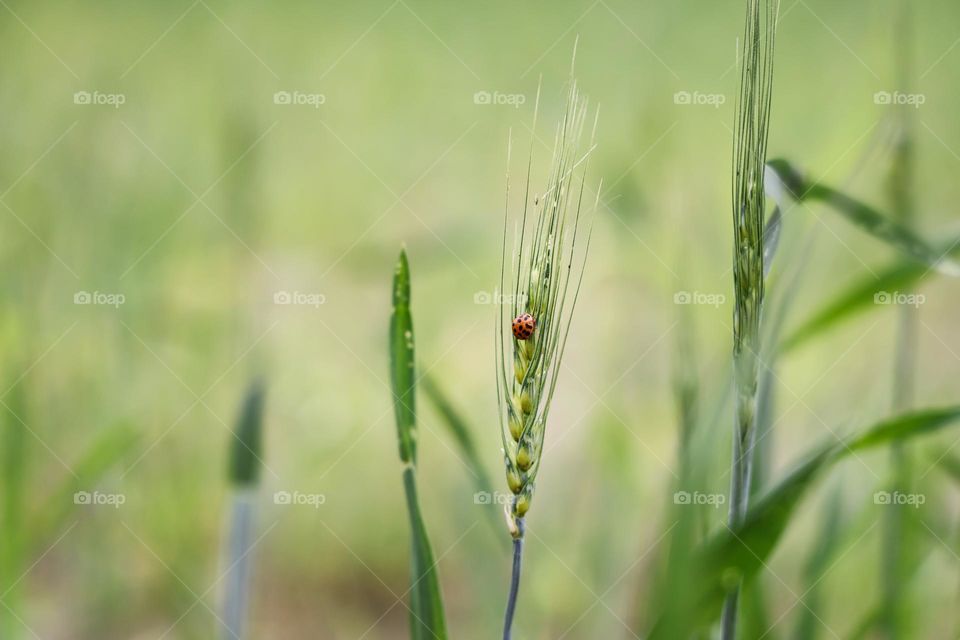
(539, 284)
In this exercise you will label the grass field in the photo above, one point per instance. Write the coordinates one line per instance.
(195, 194)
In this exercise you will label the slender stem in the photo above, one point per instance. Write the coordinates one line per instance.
(237, 590)
(896, 525)
(743, 443)
(514, 582)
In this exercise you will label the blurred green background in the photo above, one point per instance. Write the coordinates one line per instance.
(205, 197)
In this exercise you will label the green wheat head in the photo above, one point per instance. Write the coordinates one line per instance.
(545, 271)
(749, 156)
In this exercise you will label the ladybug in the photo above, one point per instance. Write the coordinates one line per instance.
(524, 326)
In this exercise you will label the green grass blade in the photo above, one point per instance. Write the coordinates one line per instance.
(246, 448)
(460, 432)
(902, 427)
(950, 464)
(883, 228)
(860, 297)
(426, 603)
(463, 438)
(866, 218)
(738, 553)
(754, 618)
(402, 362)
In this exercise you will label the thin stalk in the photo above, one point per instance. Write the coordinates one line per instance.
(892, 623)
(246, 449)
(514, 581)
(237, 587)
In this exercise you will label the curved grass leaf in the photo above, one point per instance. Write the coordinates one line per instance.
(738, 553)
(460, 431)
(771, 238)
(402, 362)
(950, 464)
(862, 295)
(426, 604)
(881, 227)
(864, 216)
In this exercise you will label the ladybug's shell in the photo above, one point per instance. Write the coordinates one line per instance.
(524, 326)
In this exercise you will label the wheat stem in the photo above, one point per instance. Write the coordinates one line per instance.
(892, 622)
(514, 581)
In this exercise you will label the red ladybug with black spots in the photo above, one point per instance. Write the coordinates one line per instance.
(523, 326)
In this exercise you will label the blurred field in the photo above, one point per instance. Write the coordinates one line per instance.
(200, 199)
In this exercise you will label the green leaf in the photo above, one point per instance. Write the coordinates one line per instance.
(460, 432)
(402, 363)
(246, 447)
(883, 228)
(465, 443)
(426, 604)
(857, 298)
(950, 464)
(735, 554)
(864, 216)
